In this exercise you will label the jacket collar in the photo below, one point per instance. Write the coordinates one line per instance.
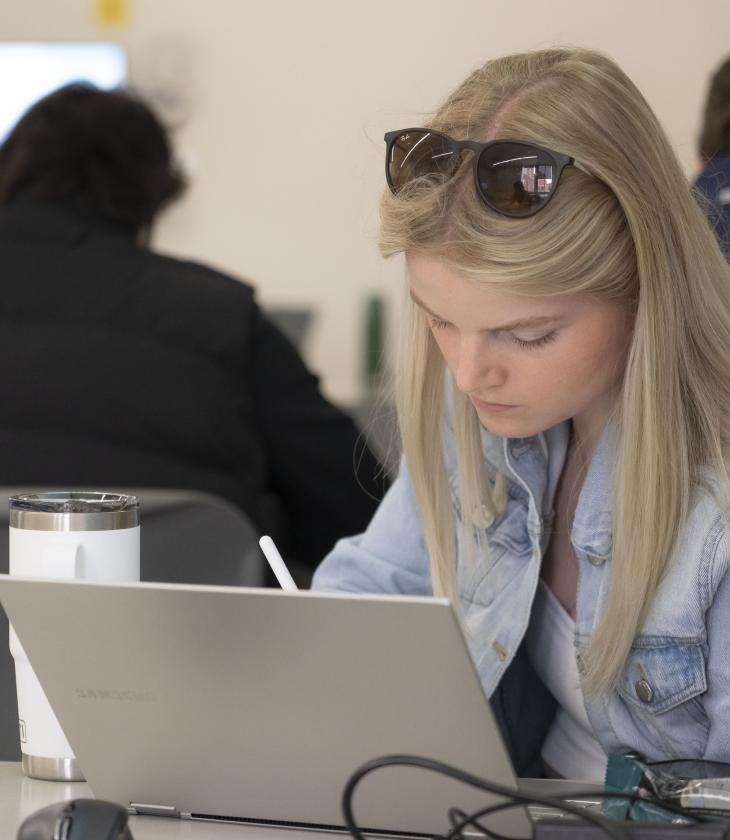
(593, 521)
(47, 223)
(537, 463)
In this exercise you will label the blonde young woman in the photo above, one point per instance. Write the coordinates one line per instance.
(564, 404)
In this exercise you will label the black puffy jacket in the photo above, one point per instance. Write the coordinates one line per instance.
(122, 367)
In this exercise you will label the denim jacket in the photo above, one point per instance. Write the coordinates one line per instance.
(673, 697)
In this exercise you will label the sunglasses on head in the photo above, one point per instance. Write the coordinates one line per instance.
(511, 177)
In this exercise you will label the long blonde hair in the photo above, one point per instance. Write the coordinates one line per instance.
(623, 227)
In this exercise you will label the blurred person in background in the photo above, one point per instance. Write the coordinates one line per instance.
(124, 367)
(713, 181)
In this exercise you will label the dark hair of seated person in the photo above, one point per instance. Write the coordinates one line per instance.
(715, 131)
(103, 152)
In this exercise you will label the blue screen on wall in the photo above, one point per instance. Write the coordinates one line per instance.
(28, 71)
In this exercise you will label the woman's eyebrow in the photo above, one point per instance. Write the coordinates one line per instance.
(532, 321)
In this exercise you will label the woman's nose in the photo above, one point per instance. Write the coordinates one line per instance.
(476, 367)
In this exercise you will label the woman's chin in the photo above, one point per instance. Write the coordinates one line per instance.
(510, 427)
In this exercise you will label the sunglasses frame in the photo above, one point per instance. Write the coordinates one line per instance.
(560, 161)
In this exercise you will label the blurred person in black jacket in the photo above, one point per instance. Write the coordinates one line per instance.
(713, 182)
(123, 367)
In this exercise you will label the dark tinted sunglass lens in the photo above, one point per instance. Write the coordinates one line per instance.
(516, 178)
(415, 154)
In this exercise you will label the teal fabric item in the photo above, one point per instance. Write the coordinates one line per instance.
(625, 774)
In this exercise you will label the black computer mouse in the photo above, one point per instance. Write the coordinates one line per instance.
(79, 819)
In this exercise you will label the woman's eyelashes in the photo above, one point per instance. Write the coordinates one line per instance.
(532, 344)
(535, 342)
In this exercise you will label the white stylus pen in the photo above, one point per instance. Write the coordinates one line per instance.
(278, 566)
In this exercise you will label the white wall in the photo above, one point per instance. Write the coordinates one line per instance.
(283, 104)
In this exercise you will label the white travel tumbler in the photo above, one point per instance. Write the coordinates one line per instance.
(76, 535)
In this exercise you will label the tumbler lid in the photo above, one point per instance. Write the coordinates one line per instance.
(73, 511)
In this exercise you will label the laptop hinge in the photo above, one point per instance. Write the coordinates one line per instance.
(144, 809)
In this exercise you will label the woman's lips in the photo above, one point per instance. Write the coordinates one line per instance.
(481, 405)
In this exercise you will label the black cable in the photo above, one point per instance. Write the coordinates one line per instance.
(457, 817)
(473, 818)
(646, 799)
(611, 828)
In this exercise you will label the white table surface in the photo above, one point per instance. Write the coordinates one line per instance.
(20, 796)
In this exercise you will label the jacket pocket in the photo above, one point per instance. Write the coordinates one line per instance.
(661, 687)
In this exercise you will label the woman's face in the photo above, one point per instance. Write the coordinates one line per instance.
(526, 363)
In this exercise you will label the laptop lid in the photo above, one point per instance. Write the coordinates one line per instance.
(258, 704)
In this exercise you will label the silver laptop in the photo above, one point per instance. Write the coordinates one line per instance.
(257, 705)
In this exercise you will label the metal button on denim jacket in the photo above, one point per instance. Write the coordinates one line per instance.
(673, 698)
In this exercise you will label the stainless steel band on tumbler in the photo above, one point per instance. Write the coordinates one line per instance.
(63, 511)
(34, 520)
(57, 769)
